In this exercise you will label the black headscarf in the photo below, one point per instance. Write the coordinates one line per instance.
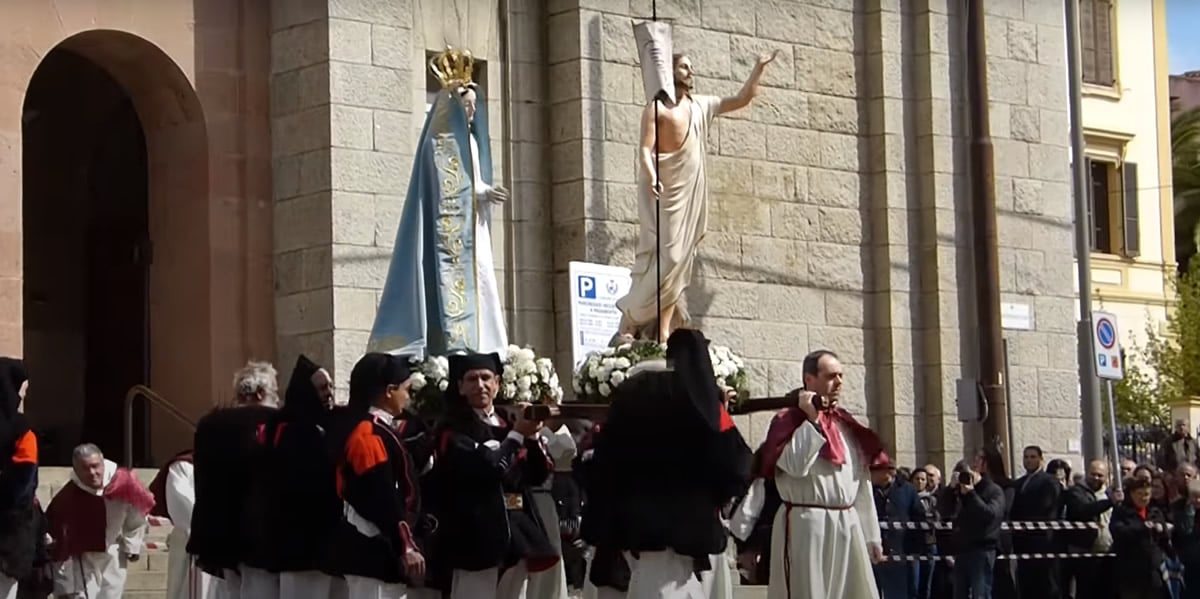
(372, 375)
(12, 423)
(693, 377)
(302, 401)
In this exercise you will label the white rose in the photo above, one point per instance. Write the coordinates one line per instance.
(525, 396)
(442, 384)
(623, 363)
(418, 381)
(576, 386)
(510, 391)
(591, 388)
(605, 390)
(617, 377)
(524, 383)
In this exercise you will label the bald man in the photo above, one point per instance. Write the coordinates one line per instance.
(1090, 501)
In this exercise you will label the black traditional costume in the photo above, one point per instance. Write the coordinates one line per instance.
(665, 463)
(484, 472)
(378, 484)
(20, 516)
(304, 505)
(230, 497)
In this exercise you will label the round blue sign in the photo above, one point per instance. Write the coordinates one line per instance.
(1106, 334)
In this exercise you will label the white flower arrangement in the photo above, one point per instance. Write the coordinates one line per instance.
(430, 378)
(528, 378)
(603, 370)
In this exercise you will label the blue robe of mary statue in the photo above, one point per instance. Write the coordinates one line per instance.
(441, 295)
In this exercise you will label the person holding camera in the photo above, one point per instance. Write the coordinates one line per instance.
(980, 513)
(490, 535)
(827, 533)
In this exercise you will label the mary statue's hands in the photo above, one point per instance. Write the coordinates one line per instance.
(498, 194)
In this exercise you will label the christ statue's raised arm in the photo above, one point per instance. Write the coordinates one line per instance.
(750, 88)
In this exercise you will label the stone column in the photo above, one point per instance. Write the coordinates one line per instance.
(889, 298)
(302, 190)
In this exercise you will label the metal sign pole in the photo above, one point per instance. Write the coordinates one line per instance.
(1112, 425)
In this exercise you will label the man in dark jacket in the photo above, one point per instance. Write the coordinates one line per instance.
(897, 501)
(1090, 501)
(977, 528)
(1035, 499)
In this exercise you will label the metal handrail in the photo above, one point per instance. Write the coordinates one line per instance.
(154, 398)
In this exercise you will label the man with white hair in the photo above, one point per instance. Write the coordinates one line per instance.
(225, 464)
(97, 523)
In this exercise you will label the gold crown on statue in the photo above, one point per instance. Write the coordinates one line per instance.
(453, 67)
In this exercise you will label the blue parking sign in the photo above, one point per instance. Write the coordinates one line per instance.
(587, 287)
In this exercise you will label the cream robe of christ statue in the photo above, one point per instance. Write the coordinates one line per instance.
(683, 221)
(819, 542)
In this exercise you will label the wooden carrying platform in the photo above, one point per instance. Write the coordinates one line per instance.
(596, 412)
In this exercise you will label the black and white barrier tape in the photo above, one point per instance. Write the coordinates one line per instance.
(1002, 556)
(1016, 526)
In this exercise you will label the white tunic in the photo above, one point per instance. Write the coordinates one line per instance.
(99, 575)
(184, 579)
(492, 334)
(822, 553)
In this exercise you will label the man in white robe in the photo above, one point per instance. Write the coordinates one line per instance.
(97, 523)
(826, 535)
(175, 487)
(673, 198)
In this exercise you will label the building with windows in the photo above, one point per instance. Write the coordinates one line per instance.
(1126, 121)
(186, 184)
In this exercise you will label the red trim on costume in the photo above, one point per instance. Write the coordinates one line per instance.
(279, 433)
(541, 564)
(364, 449)
(26, 449)
(726, 420)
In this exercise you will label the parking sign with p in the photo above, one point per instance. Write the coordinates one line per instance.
(587, 287)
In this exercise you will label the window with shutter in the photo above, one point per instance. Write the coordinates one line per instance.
(1099, 204)
(1096, 43)
(1087, 39)
(1129, 211)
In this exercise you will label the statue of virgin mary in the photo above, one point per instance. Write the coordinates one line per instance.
(441, 295)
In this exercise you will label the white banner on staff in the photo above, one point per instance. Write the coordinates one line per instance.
(595, 289)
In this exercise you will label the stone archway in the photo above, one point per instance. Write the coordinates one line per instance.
(116, 241)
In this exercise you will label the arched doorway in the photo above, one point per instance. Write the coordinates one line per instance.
(115, 242)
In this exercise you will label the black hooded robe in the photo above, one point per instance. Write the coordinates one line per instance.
(666, 461)
(303, 497)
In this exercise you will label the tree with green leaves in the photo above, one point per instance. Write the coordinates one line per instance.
(1185, 177)
(1138, 399)
(1143, 398)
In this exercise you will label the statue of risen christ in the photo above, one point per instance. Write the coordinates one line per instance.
(673, 194)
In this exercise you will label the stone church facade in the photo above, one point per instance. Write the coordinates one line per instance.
(278, 141)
